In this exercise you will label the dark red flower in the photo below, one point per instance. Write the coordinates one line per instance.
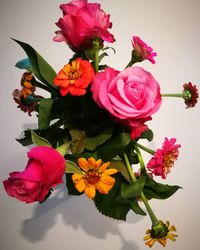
(190, 94)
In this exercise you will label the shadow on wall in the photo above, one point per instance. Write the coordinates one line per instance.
(74, 214)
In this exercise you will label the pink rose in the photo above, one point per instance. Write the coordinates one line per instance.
(81, 23)
(44, 170)
(132, 96)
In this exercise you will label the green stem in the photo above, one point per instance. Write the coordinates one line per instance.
(129, 168)
(96, 60)
(149, 210)
(173, 95)
(142, 165)
(129, 64)
(148, 150)
(143, 197)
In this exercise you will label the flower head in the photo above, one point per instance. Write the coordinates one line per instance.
(163, 159)
(142, 50)
(74, 78)
(25, 97)
(95, 176)
(132, 96)
(190, 94)
(81, 23)
(160, 233)
(44, 171)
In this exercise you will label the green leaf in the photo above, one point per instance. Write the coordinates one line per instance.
(25, 138)
(147, 134)
(133, 189)
(42, 70)
(153, 189)
(108, 205)
(92, 142)
(63, 149)
(78, 141)
(72, 167)
(113, 147)
(121, 167)
(135, 207)
(70, 186)
(38, 140)
(44, 117)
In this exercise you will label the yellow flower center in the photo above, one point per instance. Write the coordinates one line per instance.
(92, 177)
(72, 71)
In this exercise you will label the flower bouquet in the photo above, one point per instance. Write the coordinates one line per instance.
(92, 125)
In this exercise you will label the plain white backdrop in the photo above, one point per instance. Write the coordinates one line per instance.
(63, 222)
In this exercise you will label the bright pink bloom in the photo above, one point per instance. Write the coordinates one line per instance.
(44, 170)
(163, 159)
(142, 50)
(132, 96)
(81, 23)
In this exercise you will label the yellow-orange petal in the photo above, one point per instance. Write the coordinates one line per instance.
(83, 163)
(150, 242)
(172, 228)
(103, 188)
(172, 236)
(106, 179)
(98, 163)
(92, 163)
(90, 191)
(147, 237)
(76, 177)
(81, 185)
(110, 171)
(104, 166)
(162, 241)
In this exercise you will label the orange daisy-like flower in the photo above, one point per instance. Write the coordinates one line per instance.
(95, 175)
(160, 233)
(74, 78)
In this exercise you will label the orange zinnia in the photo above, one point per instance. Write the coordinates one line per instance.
(74, 78)
(95, 175)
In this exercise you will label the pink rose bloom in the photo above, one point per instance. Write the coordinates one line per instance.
(132, 96)
(81, 23)
(163, 159)
(142, 50)
(44, 171)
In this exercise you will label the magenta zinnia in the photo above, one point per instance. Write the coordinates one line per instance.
(163, 159)
(142, 50)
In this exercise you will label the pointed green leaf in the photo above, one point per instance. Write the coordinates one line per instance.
(78, 141)
(92, 142)
(135, 207)
(113, 147)
(44, 116)
(148, 134)
(64, 148)
(121, 167)
(153, 189)
(38, 140)
(72, 167)
(108, 205)
(42, 70)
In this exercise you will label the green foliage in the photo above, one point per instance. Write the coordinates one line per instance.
(78, 141)
(153, 189)
(147, 134)
(44, 116)
(38, 140)
(38, 66)
(72, 167)
(121, 167)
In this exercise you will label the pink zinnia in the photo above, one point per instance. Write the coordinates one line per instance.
(163, 159)
(142, 50)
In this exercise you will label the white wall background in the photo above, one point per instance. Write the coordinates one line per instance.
(172, 28)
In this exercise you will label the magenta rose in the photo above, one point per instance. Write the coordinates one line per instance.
(81, 23)
(131, 96)
(44, 171)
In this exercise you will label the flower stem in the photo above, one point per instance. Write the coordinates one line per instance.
(173, 95)
(148, 150)
(129, 168)
(142, 165)
(143, 197)
(149, 210)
